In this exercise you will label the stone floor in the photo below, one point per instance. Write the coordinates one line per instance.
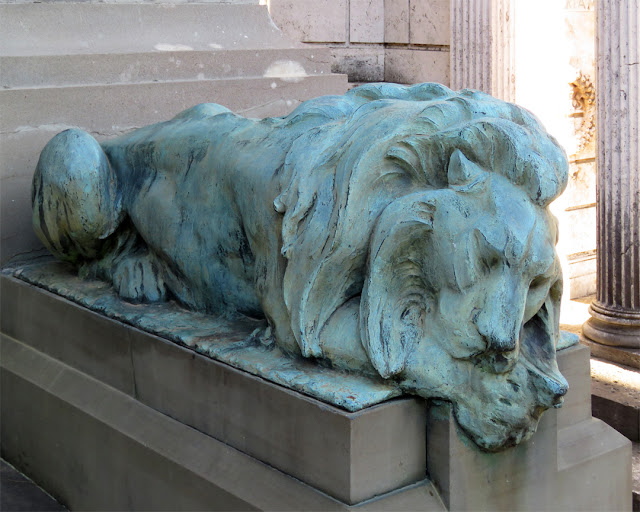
(19, 494)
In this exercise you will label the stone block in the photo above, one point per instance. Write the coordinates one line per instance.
(396, 21)
(582, 286)
(366, 21)
(359, 64)
(311, 21)
(569, 450)
(574, 365)
(94, 448)
(110, 68)
(415, 66)
(61, 28)
(63, 330)
(104, 450)
(624, 418)
(350, 456)
(125, 106)
(581, 237)
(581, 188)
(15, 212)
(616, 396)
(429, 22)
(582, 275)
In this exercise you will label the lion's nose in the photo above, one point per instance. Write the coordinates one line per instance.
(500, 335)
(551, 389)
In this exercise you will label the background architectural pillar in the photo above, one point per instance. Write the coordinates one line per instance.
(615, 320)
(482, 47)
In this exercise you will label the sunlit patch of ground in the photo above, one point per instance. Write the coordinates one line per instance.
(574, 313)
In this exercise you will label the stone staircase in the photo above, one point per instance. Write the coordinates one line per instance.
(111, 67)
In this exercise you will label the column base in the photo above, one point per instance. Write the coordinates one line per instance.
(627, 356)
(613, 334)
(617, 327)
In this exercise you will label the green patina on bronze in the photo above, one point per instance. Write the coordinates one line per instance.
(394, 232)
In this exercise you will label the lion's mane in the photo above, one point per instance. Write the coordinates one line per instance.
(370, 152)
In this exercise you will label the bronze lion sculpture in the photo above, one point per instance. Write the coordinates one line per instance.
(396, 231)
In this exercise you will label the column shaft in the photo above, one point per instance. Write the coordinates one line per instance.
(482, 47)
(616, 312)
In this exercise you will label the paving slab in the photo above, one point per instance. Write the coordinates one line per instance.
(20, 494)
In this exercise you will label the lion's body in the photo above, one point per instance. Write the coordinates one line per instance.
(401, 231)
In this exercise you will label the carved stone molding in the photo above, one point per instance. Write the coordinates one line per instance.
(583, 100)
(482, 47)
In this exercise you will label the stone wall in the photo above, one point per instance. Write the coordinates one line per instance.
(404, 41)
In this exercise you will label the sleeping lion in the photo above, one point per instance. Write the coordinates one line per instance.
(393, 231)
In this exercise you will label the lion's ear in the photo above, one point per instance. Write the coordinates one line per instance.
(462, 173)
(393, 296)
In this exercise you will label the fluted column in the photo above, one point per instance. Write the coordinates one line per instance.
(482, 47)
(615, 313)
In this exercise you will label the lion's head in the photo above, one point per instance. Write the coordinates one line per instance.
(431, 206)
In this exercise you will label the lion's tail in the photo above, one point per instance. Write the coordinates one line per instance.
(75, 198)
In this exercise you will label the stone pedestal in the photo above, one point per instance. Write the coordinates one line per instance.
(482, 45)
(614, 326)
(106, 416)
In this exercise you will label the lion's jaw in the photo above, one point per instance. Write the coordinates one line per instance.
(496, 410)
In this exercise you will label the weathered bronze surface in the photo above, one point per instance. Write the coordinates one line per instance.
(394, 232)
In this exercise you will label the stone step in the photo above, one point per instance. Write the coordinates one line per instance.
(112, 108)
(111, 67)
(31, 116)
(61, 28)
(121, 68)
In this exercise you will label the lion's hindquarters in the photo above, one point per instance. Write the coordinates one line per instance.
(75, 199)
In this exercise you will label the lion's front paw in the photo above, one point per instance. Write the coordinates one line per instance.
(138, 278)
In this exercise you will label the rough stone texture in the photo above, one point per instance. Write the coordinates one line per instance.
(396, 21)
(68, 65)
(430, 23)
(414, 66)
(360, 64)
(311, 21)
(482, 47)
(366, 21)
(352, 27)
(615, 314)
